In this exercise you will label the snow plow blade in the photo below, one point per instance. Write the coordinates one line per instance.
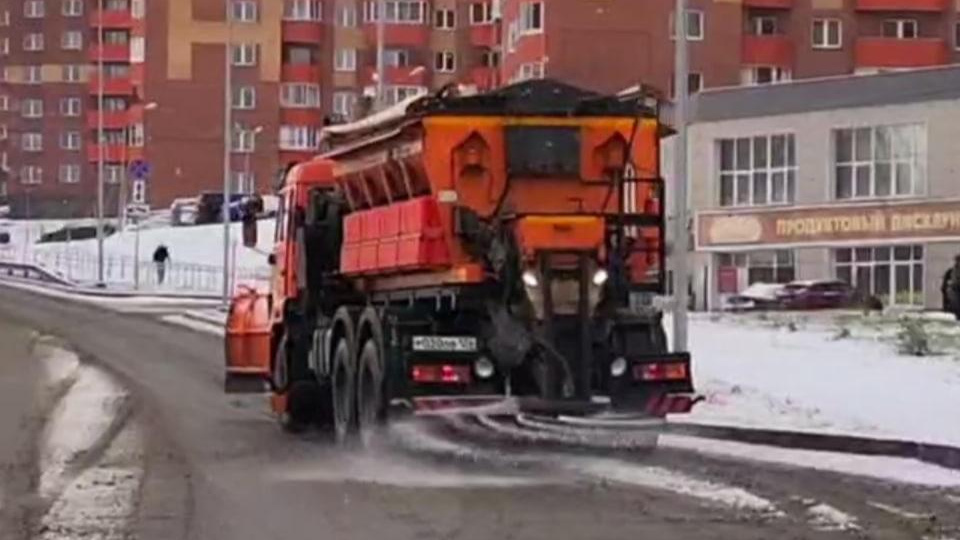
(247, 346)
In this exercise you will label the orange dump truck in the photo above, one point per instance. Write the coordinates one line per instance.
(462, 249)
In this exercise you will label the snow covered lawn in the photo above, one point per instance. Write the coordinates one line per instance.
(755, 373)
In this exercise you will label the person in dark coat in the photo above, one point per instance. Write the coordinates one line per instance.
(161, 256)
(950, 289)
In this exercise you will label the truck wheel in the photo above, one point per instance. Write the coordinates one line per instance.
(343, 390)
(369, 389)
(280, 371)
(300, 395)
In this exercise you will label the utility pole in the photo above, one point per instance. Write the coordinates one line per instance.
(380, 100)
(227, 144)
(101, 148)
(681, 277)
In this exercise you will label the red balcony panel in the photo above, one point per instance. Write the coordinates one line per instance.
(302, 32)
(902, 5)
(138, 74)
(883, 52)
(119, 86)
(111, 18)
(111, 120)
(110, 53)
(768, 4)
(115, 153)
(290, 156)
(767, 51)
(485, 78)
(305, 73)
(483, 35)
(400, 75)
(406, 35)
(301, 117)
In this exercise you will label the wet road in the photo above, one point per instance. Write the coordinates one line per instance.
(217, 467)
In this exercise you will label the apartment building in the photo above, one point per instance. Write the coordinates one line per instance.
(851, 178)
(296, 64)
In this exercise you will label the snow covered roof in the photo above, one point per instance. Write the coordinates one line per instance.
(385, 117)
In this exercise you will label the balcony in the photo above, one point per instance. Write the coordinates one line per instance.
(881, 52)
(485, 78)
(399, 75)
(934, 6)
(115, 153)
(402, 35)
(110, 53)
(484, 35)
(305, 73)
(116, 86)
(111, 119)
(303, 32)
(112, 19)
(293, 116)
(767, 51)
(768, 4)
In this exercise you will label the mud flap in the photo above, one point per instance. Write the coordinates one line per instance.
(247, 348)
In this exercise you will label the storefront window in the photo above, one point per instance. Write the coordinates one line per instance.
(893, 274)
(760, 266)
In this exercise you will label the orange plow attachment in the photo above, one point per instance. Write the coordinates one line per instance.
(247, 348)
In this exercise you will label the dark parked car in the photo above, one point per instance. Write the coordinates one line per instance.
(822, 294)
(210, 207)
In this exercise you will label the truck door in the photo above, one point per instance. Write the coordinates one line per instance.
(282, 257)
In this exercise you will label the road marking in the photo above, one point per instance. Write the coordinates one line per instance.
(193, 324)
(824, 517)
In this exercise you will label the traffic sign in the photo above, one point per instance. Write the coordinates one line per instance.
(137, 211)
(140, 169)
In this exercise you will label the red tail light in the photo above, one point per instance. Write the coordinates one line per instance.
(441, 373)
(661, 372)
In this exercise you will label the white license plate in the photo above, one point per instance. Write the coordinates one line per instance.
(444, 344)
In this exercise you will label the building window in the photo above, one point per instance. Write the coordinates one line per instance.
(827, 34)
(4, 133)
(70, 140)
(5, 46)
(397, 11)
(33, 42)
(32, 142)
(396, 57)
(956, 36)
(72, 73)
(245, 11)
(490, 58)
(72, 41)
(4, 102)
(113, 174)
(882, 161)
(481, 13)
(298, 138)
(694, 25)
(33, 9)
(116, 5)
(764, 26)
(757, 171)
(694, 83)
(31, 108)
(243, 140)
(137, 135)
(773, 266)
(245, 54)
(396, 94)
(113, 137)
(531, 17)
(529, 70)
(345, 60)
(116, 71)
(343, 103)
(297, 55)
(138, 9)
(70, 106)
(300, 95)
(445, 19)
(901, 28)
(243, 182)
(114, 104)
(445, 62)
(894, 274)
(70, 174)
(756, 75)
(245, 97)
(303, 10)
(72, 8)
(346, 16)
(31, 174)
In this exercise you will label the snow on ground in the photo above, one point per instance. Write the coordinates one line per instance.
(805, 378)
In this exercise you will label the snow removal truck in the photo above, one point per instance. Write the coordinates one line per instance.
(457, 250)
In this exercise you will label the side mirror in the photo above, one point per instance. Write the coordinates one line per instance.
(271, 259)
(250, 233)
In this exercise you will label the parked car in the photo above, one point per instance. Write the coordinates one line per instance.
(756, 297)
(817, 294)
(183, 211)
(210, 207)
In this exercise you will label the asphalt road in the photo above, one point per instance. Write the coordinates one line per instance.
(218, 467)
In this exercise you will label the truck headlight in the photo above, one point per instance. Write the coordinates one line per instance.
(618, 367)
(530, 279)
(600, 277)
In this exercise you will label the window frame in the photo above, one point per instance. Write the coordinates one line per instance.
(485, 12)
(531, 21)
(32, 108)
(69, 178)
(244, 98)
(445, 62)
(901, 24)
(71, 8)
(313, 98)
(757, 22)
(36, 142)
(444, 19)
(31, 179)
(34, 42)
(303, 10)
(245, 55)
(245, 11)
(917, 161)
(788, 170)
(71, 106)
(68, 138)
(34, 9)
(698, 15)
(69, 45)
(345, 60)
(826, 44)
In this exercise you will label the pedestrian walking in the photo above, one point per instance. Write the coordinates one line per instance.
(161, 256)
(950, 289)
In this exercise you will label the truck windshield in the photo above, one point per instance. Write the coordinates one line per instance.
(538, 151)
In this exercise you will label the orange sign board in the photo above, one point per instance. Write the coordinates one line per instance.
(829, 224)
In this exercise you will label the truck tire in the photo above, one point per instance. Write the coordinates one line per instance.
(370, 409)
(343, 389)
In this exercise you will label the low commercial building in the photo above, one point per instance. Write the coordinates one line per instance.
(855, 178)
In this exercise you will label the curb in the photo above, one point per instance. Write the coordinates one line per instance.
(935, 454)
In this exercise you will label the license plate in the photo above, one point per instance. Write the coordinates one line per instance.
(444, 344)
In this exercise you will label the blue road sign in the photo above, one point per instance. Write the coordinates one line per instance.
(140, 169)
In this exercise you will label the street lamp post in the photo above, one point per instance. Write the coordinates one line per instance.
(246, 165)
(101, 149)
(681, 277)
(227, 138)
(381, 37)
